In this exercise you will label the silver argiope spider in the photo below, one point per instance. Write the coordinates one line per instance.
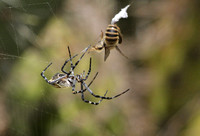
(68, 79)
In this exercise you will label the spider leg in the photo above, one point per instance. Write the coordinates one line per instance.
(62, 69)
(90, 102)
(70, 59)
(80, 91)
(42, 74)
(50, 82)
(84, 51)
(103, 97)
(73, 85)
(89, 69)
(72, 66)
(75, 92)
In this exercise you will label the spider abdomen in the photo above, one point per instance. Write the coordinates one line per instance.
(62, 81)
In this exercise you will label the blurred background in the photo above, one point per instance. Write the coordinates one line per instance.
(161, 38)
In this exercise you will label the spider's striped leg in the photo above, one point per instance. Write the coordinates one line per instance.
(85, 50)
(89, 69)
(70, 56)
(42, 74)
(70, 59)
(62, 69)
(90, 102)
(103, 97)
(50, 82)
(80, 91)
(73, 84)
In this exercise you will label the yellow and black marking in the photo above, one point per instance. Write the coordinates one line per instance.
(112, 35)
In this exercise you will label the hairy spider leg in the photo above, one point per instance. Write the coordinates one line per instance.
(103, 97)
(90, 102)
(50, 82)
(80, 91)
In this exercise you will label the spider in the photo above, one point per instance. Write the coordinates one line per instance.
(69, 79)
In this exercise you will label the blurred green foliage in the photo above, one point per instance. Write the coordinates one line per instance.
(162, 39)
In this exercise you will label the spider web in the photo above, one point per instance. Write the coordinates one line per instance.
(30, 107)
(32, 34)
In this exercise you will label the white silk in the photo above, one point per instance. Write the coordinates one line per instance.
(122, 14)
